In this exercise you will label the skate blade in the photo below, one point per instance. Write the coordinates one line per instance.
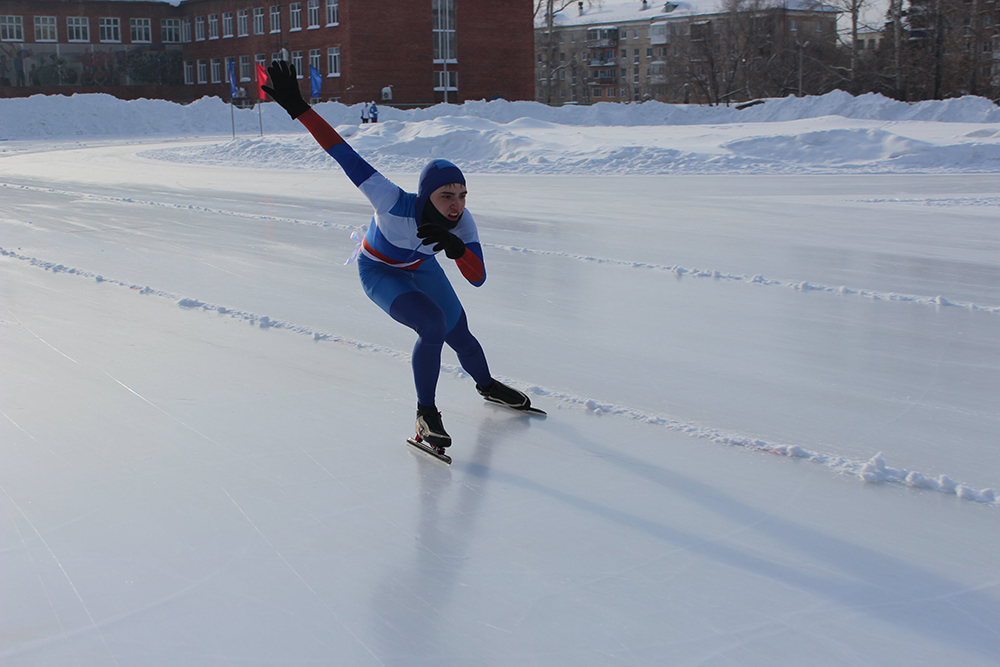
(530, 410)
(427, 449)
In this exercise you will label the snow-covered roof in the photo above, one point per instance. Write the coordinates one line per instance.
(622, 11)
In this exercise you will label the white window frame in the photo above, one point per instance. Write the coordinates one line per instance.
(294, 17)
(246, 68)
(440, 82)
(258, 20)
(312, 14)
(315, 59)
(445, 33)
(297, 64)
(110, 29)
(213, 26)
(188, 73)
(199, 28)
(11, 28)
(332, 13)
(141, 31)
(333, 61)
(275, 19)
(227, 24)
(202, 71)
(216, 70)
(170, 31)
(77, 29)
(243, 23)
(186, 30)
(46, 29)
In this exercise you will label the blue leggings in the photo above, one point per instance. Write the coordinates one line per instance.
(424, 300)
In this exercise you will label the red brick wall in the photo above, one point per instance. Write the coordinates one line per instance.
(381, 44)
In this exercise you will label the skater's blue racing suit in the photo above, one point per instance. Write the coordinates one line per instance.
(400, 274)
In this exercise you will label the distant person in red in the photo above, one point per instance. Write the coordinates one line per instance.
(398, 264)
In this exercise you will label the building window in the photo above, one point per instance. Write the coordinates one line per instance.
(295, 16)
(109, 29)
(333, 61)
(45, 29)
(445, 48)
(199, 28)
(186, 30)
(332, 12)
(597, 92)
(213, 26)
(275, 18)
(11, 29)
(313, 13)
(242, 23)
(78, 29)
(314, 59)
(446, 80)
(297, 63)
(793, 26)
(258, 20)
(216, 70)
(202, 71)
(227, 24)
(170, 31)
(246, 68)
(141, 31)
(188, 72)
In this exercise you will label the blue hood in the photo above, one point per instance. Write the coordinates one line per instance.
(435, 174)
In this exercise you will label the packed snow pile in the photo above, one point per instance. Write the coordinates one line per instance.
(828, 134)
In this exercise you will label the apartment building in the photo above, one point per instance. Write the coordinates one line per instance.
(636, 50)
(404, 52)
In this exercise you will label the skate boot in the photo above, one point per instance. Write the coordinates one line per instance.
(430, 429)
(500, 393)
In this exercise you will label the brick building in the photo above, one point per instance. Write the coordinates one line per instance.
(405, 52)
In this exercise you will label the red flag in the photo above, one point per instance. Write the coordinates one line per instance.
(261, 80)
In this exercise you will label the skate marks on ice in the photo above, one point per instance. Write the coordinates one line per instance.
(936, 301)
(873, 470)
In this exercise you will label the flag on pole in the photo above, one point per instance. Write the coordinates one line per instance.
(261, 80)
(316, 80)
(233, 90)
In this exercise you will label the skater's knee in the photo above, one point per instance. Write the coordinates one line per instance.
(419, 312)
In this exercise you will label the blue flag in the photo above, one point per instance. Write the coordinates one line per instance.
(233, 90)
(316, 80)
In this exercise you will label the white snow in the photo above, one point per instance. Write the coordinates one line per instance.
(766, 340)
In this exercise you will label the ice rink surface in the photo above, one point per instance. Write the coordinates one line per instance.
(203, 423)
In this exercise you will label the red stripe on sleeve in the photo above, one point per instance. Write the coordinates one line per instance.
(471, 267)
(320, 129)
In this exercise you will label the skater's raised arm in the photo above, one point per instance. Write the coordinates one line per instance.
(284, 89)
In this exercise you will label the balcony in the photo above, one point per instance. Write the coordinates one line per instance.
(611, 62)
(600, 38)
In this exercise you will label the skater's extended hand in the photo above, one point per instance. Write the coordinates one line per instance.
(284, 88)
(452, 245)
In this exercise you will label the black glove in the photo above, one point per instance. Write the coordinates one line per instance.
(284, 88)
(452, 245)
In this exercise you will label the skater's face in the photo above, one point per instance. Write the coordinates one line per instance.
(449, 200)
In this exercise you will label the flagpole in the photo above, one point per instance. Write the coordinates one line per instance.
(261, 116)
(232, 113)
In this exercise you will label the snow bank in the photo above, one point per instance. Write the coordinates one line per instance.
(95, 115)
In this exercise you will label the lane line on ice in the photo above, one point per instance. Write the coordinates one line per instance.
(873, 470)
(937, 301)
(802, 286)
